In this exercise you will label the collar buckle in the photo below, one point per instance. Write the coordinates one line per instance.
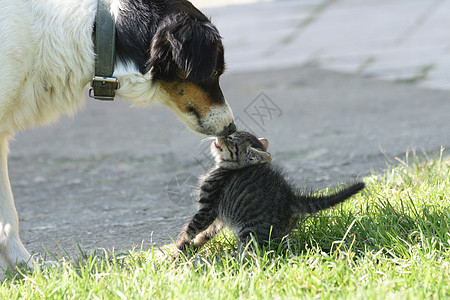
(103, 88)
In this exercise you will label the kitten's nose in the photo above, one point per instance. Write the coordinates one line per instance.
(227, 130)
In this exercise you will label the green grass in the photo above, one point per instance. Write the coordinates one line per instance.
(391, 241)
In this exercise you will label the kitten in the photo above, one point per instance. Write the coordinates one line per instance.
(245, 192)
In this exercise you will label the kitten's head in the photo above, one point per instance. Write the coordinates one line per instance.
(240, 150)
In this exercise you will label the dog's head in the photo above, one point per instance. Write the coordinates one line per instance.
(186, 61)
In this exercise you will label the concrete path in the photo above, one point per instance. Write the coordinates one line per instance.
(399, 40)
(115, 177)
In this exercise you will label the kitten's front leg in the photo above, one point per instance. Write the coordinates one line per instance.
(183, 240)
(200, 222)
(208, 234)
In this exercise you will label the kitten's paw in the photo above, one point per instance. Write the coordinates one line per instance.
(200, 241)
(183, 245)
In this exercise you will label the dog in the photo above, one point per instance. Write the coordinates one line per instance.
(167, 52)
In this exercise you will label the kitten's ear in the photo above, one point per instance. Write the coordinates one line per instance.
(265, 143)
(256, 156)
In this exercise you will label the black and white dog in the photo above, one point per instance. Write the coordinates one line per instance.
(167, 52)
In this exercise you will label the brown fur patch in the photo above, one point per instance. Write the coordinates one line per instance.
(188, 96)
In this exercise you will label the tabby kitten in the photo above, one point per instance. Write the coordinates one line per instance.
(245, 192)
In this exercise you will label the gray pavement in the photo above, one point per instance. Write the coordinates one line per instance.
(397, 40)
(108, 178)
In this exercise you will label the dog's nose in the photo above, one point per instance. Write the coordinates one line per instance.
(227, 130)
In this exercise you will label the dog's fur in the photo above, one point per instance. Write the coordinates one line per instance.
(167, 52)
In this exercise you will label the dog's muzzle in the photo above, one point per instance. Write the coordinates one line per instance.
(227, 130)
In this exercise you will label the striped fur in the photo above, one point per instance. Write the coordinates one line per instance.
(246, 193)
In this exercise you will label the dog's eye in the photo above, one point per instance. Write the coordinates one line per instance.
(215, 73)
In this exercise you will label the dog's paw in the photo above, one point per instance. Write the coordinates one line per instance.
(14, 255)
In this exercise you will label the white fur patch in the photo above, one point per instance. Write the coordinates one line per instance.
(136, 88)
(116, 5)
(46, 54)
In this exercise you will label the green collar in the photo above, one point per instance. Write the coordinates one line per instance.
(104, 85)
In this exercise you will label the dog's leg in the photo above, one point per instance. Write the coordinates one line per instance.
(12, 251)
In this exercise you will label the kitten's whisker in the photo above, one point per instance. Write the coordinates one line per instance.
(209, 138)
(205, 140)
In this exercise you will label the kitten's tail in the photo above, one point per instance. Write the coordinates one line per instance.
(311, 204)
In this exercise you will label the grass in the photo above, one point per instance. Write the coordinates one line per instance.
(390, 241)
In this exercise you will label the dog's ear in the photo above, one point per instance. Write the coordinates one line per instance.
(161, 58)
(195, 49)
(191, 44)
